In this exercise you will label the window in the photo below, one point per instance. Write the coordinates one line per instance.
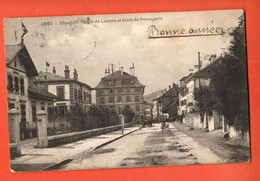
(34, 112)
(120, 90)
(11, 106)
(100, 91)
(110, 99)
(15, 63)
(10, 86)
(50, 113)
(137, 99)
(137, 107)
(128, 90)
(22, 85)
(23, 113)
(85, 96)
(110, 91)
(138, 90)
(119, 98)
(102, 100)
(43, 106)
(128, 99)
(16, 85)
(60, 92)
(61, 110)
(76, 93)
(80, 94)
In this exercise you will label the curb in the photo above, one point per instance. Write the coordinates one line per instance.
(56, 165)
(110, 141)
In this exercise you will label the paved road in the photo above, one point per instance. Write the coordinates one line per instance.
(146, 147)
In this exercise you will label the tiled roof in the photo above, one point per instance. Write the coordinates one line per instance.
(206, 71)
(38, 93)
(50, 77)
(11, 51)
(118, 76)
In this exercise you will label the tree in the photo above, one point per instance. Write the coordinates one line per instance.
(204, 101)
(128, 113)
(229, 81)
(76, 116)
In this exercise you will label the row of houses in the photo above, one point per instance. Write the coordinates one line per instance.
(30, 91)
(188, 112)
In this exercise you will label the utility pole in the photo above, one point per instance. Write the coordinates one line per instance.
(113, 92)
(200, 90)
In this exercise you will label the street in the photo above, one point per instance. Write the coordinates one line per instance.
(146, 147)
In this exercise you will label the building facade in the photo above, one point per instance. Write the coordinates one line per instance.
(20, 93)
(120, 88)
(68, 90)
(189, 84)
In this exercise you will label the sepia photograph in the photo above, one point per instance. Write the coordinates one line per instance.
(127, 90)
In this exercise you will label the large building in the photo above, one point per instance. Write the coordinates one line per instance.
(120, 88)
(189, 84)
(69, 90)
(166, 104)
(21, 95)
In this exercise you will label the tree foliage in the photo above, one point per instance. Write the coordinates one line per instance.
(229, 81)
(128, 113)
(204, 100)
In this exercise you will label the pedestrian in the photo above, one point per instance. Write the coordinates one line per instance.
(163, 125)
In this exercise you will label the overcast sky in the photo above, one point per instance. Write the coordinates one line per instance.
(91, 47)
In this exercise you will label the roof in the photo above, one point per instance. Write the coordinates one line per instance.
(50, 77)
(184, 78)
(175, 101)
(11, 51)
(172, 92)
(119, 76)
(40, 94)
(206, 71)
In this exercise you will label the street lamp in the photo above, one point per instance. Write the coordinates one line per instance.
(122, 118)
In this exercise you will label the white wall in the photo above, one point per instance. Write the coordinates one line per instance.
(52, 89)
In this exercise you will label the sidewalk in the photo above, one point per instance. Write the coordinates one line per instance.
(215, 141)
(37, 159)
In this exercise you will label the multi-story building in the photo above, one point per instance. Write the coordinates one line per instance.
(167, 103)
(148, 111)
(189, 84)
(20, 93)
(69, 90)
(120, 88)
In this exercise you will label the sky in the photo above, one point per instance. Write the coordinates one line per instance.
(90, 47)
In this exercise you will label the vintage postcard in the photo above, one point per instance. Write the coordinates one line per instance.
(127, 90)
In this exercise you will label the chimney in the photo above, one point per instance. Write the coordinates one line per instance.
(190, 71)
(54, 70)
(122, 70)
(170, 87)
(196, 68)
(75, 74)
(212, 58)
(132, 69)
(67, 72)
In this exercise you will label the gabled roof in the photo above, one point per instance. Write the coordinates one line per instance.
(50, 77)
(119, 76)
(172, 92)
(174, 102)
(40, 94)
(11, 51)
(206, 71)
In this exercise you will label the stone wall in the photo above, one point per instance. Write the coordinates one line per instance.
(75, 136)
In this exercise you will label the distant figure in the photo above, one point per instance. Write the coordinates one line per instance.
(163, 124)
